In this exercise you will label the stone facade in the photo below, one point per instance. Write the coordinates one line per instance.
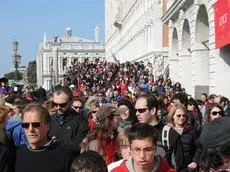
(134, 32)
(55, 56)
(193, 59)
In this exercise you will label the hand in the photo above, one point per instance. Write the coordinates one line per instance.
(192, 165)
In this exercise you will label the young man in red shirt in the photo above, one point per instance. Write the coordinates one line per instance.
(143, 140)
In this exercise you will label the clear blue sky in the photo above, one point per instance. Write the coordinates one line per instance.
(27, 20)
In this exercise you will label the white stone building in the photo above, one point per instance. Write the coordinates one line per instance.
(134, 32)
(54, 56)
(193, 59)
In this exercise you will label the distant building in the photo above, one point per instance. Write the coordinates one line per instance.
(54, 56)
(23, 70)
(134, 32)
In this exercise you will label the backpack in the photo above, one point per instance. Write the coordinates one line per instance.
(165, 136)
(167, 145)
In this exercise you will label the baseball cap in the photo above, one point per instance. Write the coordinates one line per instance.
(109, 109)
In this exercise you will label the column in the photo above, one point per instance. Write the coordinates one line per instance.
(55, 65)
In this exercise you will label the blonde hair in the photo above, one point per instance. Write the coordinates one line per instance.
(92, 104)
(172, 112)
(3, 112)
(122, 138)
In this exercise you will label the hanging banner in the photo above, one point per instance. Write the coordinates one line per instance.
(222, 22)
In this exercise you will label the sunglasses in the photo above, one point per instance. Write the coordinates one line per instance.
(214, 113)
(60, 105)
(94, 111)
(141, 110)
(179, 116)
(78, 107)
(191, 104)
(34, 124)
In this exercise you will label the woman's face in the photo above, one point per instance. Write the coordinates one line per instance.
(126, 115)
(95, 109)
(179, 117)
(191, 107)
(125, 149)
(115, 122)
(216, 113)
(16, 110)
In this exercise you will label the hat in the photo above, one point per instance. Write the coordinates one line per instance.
(5, 80)
(216, 133)
(109, 109)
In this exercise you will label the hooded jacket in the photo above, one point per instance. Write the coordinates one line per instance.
(160, 166)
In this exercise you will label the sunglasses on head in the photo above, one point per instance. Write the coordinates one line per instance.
(179, 116)
(34, 124)
(141, 110)
(60, 104)
(78, 107)
(214, 113)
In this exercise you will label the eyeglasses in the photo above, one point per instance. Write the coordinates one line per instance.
(78, 107)
(34, 124)
(141, 110)
(60, 105)
(179, 116)
(147, 151)
(214, 113)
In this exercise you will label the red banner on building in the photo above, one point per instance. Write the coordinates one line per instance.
(222, 22)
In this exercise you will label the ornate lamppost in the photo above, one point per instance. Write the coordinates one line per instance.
(16, 58)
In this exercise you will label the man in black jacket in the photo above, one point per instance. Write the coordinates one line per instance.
(169, 144)
(42, 153)
(67, 125)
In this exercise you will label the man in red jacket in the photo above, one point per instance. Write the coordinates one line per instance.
(143, 140)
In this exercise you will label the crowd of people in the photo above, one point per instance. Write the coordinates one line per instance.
(106, 116)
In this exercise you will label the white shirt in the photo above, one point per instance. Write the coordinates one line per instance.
(114, 165)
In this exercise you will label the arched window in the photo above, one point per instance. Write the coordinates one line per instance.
(64, 63)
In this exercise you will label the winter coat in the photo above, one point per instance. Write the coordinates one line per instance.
(71, 129)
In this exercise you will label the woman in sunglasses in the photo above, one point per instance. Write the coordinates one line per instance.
(128, 118)
(213, 111)
(179, 121)
(93, 107)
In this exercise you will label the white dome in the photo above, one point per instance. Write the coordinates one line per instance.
(68, 28)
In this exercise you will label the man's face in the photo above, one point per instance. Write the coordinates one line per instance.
(37, 134)
(143, 154)
(101, 97)
(143, 114)
(77, 106)
(61, 103)
(203, 98)
(176, 102)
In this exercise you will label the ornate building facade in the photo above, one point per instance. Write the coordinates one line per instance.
(134, 31)
(194, 59)
(55, 56)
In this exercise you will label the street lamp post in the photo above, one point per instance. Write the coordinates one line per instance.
(16, 58)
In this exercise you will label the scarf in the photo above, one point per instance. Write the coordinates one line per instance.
(110, 149)
(124, 123)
